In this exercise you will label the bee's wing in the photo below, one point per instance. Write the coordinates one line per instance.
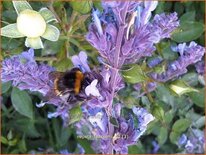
(55, 74)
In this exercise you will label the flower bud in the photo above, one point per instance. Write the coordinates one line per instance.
(31, 24)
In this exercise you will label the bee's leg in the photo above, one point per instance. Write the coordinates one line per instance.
(69, 99)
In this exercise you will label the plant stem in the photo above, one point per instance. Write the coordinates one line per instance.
(114, 76)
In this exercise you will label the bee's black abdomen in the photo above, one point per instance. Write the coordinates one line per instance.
(69, 80)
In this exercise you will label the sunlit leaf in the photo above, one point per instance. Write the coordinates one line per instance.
(83, 7)
(75, 114)
(134, 75)
(180, 87)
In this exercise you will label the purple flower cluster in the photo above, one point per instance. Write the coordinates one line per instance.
(125, 134)
(125, 26)
(25, 73)
(190, 54)
(123, 33)
(194, 142)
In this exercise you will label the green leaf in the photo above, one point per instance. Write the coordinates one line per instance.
(11, 31)
(86, 145)
(181, 125)
(5, 87)
(174, 136)
(22, 145)
(191, 78)
(188, 16)
(21, 6)
(22, 102)
(160, 68)
(47, 15)
(4, 140)
(10, 135)
(158, 112)
(51, 33)
(162, 136)
(26, 126)
(169, 115)
(180, 87)
(114, 121)
(75, 114)
(198, 98)
(65, 134)
(200, 122)
(134, 75)
(63, 65)
(12, 142)
(51, 49)
(84, 7)
(188, 31)
(136, 149)
(35, 43)
(178, 128)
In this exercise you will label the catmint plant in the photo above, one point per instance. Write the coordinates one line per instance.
(124, 34)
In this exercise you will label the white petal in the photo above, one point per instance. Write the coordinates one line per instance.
(35, 43)
(51, 33)
(21, 6)
(47, 15)
(92, 90)
(11, 31)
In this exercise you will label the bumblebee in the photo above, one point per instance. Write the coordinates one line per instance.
(70, 84)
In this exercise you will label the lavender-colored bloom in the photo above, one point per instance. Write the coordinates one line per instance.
(155, 147)
(182, 140)
(190, 55)
(25, 73)
(126, 134)
(139, 36)
(146, 14)
(165, 24)
(194, 141)
(80, 61)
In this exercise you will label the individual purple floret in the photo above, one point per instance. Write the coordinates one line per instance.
(25, 73)
(188, 55)
(156, 147)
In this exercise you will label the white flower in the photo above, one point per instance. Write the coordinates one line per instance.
(92, 89)
(32, 25)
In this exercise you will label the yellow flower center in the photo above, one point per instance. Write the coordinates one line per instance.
(31, 24)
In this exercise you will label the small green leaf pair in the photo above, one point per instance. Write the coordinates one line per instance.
(32, 25)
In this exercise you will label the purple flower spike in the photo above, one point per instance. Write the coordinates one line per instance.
(26, 73)
(190, 55)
